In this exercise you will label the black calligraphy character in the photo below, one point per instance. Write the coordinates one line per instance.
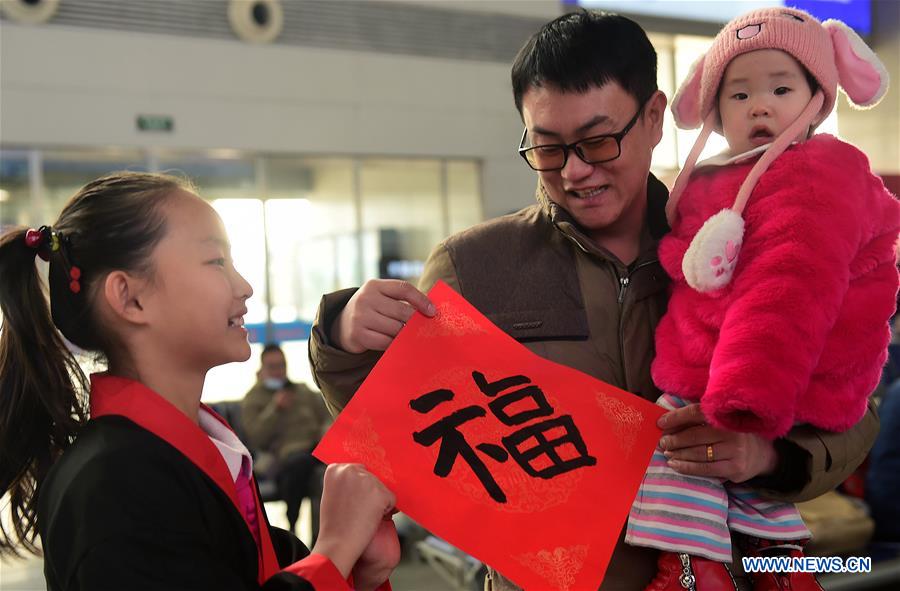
(549, 448)
(521, 411)
(544, 449)
(454, 444)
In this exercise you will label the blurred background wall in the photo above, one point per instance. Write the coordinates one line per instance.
(339, 140)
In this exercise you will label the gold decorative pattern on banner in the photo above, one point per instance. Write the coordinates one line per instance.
(364, 445)
(524, 493)
(449, 323)
(559, 566)
(626, 420)
(457, 378)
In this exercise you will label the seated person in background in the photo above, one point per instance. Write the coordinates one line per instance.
(285, 421)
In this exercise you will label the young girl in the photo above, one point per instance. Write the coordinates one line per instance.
(154, 491)
(782, 255)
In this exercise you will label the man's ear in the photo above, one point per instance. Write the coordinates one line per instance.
(655, 112)
(125, 295)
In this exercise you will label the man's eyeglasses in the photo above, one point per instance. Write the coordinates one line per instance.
(592, 150)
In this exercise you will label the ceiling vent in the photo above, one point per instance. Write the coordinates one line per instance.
(256, 21)
(31, 12)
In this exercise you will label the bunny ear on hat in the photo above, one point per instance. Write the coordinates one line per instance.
(687, 102)
(860, 73)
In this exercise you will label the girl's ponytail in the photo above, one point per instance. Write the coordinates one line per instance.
(112, 223)
(42, 390)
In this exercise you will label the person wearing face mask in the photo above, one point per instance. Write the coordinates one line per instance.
(283, 422)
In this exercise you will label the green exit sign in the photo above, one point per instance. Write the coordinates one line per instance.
(155, 123)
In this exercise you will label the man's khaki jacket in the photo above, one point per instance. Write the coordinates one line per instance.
(538, 277)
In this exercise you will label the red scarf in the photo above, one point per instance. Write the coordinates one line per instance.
(126, 398)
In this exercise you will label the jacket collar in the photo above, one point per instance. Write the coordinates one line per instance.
(111, 395)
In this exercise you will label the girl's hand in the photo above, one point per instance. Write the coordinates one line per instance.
(379, 559)
(688, 442)
(354, 504)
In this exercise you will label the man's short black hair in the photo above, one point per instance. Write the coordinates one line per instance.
(583, 49)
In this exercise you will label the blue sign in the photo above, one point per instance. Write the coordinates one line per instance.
(281, 332)
(855, 13)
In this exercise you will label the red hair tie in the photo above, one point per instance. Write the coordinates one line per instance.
(44, 240)
(36, 239)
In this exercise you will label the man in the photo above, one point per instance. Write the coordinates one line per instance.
(576, 277)
(285, 421)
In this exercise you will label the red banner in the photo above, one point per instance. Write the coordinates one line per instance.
(525, 464)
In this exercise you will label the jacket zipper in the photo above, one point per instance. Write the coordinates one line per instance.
(623, 286)
(625, 281)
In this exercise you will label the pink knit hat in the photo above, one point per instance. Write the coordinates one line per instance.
(832, 53)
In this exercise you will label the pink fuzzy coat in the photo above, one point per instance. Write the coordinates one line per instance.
(800, 334)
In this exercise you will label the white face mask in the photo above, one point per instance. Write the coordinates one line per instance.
(274, 383)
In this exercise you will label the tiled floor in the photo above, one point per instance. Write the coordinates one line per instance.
(412, 574)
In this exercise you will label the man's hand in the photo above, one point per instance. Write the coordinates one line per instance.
(736, 457)
(376, 313)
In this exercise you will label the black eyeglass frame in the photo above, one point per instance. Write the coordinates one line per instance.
(573, 147)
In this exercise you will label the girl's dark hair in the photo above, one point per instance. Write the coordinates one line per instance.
(113, 223)
(583, 49)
